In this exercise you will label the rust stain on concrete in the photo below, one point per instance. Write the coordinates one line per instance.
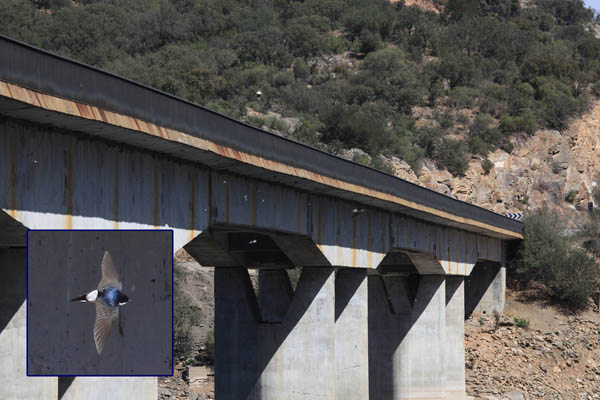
(369, 242)
(156, 197)
(68, 191)
(354, 261)
(253, 203)
(116, 195)
(13, 176)
(299, 214)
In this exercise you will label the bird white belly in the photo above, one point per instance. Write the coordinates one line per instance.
(92, 296)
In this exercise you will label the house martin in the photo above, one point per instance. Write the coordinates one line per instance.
(108, 297)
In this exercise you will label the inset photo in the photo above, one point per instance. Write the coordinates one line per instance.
(99, 302)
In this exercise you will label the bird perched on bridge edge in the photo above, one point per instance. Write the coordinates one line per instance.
(108, 298)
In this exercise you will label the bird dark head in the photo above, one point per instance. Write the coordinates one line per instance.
(123, 299)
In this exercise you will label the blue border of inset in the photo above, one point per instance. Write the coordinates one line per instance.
(100, 230)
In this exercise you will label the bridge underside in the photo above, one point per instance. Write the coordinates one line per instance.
(377, 310)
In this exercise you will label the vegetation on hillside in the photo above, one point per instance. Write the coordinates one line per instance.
(352, 71)
(548, 256)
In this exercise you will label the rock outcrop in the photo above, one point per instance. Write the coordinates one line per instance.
(555, 169)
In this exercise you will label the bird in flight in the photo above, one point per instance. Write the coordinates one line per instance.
(108, 298)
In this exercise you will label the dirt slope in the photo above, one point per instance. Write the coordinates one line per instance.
(557, 357)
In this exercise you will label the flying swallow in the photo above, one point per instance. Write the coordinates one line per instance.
(108, 297)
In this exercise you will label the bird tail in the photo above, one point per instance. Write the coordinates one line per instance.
(80, 298)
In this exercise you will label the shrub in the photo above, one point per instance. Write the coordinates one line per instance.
(282, 78)
(301, 69)
(525, 122)
(557, 103)
(521, 322)
(487, 166)
(479, 146)
(547, 257)
(361, 158)
(571, 195)
(463, 97)
(381, 165)
(462, 118)
(446, 120)
(453, 156)
(356, 126)
(596, 88)
(308, 132)
(369, 41)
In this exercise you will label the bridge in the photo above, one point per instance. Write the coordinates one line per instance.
(389, 269)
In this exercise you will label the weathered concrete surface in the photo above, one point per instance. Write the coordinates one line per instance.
(351, 335)
(66, 264)
(485, 289)
(52, 179)
(14, 384)
(407, 341)
(275, 294)
(288, 360)
(454, 344)
(100, 388)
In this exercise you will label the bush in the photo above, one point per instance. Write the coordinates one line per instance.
(462, 118)
(369, 41)
(453, 155)
(596, 88)
(521, 322)
(446, 120)
(547, 257)
(487, 166)
(479, 146)
(282, 78)
(570, 197)
(525, 122)
(382, 165)
(463, 97)
(301, 69)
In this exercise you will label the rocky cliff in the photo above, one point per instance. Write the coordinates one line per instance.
(551, 168)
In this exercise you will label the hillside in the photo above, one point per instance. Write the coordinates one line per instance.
(556, 357)
(433, 83)
(553, 169)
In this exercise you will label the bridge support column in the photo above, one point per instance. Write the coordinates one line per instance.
(407, 337)
(14, 384)
(351, 335)
(485, 289)
(455, 338)
(291, 359)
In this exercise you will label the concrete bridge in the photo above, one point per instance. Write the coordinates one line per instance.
(389, 269)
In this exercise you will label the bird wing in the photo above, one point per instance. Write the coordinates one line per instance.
(105, 320)
(110, 277)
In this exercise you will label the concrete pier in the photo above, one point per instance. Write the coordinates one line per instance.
(293, 359)
(485, 289)
(454, 344)
(14, 384)
(351, 334)
(407, 337)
